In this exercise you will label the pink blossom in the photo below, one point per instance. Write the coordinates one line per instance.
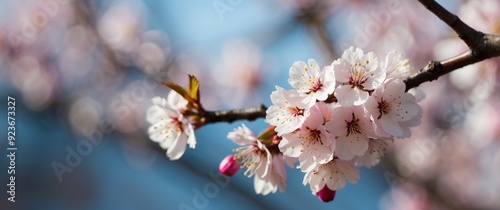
(288, 112)
(312, 144)
(332, 175)
(376, 149)
(357, 72)
(269, 169)
(312, 81)
(396, 66)
(169, 127)
(390, 106)
(276, 177)
(352, 130)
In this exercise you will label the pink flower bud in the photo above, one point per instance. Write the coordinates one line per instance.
(326, 195)
(229, 166)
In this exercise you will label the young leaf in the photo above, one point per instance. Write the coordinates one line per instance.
(194, 88)
(177, 88)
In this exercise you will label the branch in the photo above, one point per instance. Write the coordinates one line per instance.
(464, 31)
(229, 116)
(481, 47)
(312, 18)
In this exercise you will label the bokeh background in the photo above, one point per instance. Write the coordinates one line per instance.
(84, 72)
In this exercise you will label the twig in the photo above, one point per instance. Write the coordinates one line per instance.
(464, 31)
(311, 18)
(481, 47)
(229, 116)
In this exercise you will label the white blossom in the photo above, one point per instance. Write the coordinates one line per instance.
(169, 127)
(357, 73)
(312, 81)
(288, 112)
(332, 174)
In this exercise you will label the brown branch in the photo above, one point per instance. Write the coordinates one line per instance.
(85, 15)
(481, 47)
(324, 39)
(464, 31)
(312, 18)
(229, 116)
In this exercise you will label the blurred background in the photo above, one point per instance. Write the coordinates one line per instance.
(83, 74)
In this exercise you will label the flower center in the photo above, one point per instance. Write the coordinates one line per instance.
(177, 124)
(353, 126)
(296, 111)
(357, 77)
(383, 108)
(314, 135)
(317, 86)
(249, 157)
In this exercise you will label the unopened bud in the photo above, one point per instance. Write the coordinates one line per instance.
(229, 166)
(326, 195)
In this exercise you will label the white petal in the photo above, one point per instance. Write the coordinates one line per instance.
(290, 145)
(342, 150)
(393, 90)
(177, 149)
(242, 135)
(191, 137)
(341, 70)
(391, 126)
(155, 114)
(404, 111)
(176, 101)
(358, 143)
(263, 187)
(348, 96)
(350, 171)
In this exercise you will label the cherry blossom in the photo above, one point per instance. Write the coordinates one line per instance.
(312, 144)
(269, 169)
(169, 127)
(376, 149)
(276, 177)
(332, 175)
(389, 106)
(352, 130)
(288, 112)
(357, 73)
(176, 101)
(309, 79)
(396, 66)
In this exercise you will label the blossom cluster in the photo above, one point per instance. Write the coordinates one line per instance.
(333, 119)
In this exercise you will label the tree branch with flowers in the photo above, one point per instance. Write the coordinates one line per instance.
(334, 118)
